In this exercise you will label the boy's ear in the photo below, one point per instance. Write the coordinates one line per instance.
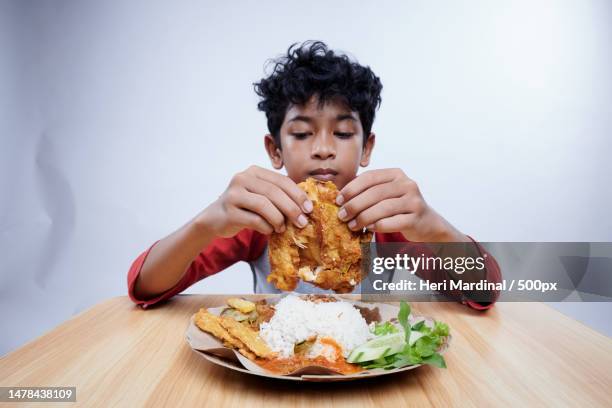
(367, 150)
(274, 152)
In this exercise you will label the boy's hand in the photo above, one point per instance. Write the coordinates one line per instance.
(388, 201)
(259, 199)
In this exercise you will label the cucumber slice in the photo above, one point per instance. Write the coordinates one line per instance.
(378, 347)
(234, 314)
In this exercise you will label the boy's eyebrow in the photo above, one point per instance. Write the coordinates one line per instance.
(345, 116)
(302, 118)
(308, 119)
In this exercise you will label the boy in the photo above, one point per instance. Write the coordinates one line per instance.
(320, 107)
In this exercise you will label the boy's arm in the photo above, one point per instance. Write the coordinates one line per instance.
(256, 199)
(219, 254)
(172, 255)
(387, 201)
(491, 272)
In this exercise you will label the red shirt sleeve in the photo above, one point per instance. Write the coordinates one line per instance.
(221, 253)
(493, 272)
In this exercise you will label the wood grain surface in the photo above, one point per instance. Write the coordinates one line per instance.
(515, 354)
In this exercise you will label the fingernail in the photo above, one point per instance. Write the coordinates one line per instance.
(302, 221)
(352, 224)
(371, 226)
(282, 228)
(339, 199)
(308, 205)
(342, 214)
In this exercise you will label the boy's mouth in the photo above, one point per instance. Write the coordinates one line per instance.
(323, 174)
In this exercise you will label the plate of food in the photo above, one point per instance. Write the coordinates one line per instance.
(316, 337)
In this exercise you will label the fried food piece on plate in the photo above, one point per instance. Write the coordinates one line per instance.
(325, 253)
(211, 323)
(241, 305)
(247, 336)
(265, 312)
(316, 298)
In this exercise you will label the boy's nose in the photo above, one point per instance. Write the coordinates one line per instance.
(323, 147)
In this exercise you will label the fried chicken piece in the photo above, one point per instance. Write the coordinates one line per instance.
(325, 253)
(265, 312)
(247, 336)
(284, 258)
(315, 298)
(211, 323)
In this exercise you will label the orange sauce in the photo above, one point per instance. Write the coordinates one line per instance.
(289, 365)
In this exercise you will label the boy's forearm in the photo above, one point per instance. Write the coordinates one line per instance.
(169, 259)
(451, 239)
(435, 228)
(453, 244)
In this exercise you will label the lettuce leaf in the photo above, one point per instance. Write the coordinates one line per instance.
(380, 329)
(423, 351)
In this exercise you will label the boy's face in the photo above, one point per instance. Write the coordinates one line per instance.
(323, 142)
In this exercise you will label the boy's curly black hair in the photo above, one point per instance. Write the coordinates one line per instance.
(313, 69)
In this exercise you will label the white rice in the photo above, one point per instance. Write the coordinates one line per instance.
(297, 320)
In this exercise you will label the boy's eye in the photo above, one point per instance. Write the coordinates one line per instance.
(300, 136)
(344, 135)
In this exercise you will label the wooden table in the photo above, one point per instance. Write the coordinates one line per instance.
(515, 354)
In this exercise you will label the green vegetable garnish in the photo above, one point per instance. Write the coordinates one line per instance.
(418, 326)
(402, 317)
(384, 328)
(423, 350)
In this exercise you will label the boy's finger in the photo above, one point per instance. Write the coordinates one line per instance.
(383, 209)
(395, 223)
(367, 199)
(263, 206)
(281, 200)
(362, 183)
(288, 186)
(254, 221)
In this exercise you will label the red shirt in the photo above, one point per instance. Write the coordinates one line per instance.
(248, 245)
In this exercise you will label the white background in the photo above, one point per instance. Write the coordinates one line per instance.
(120, 120)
